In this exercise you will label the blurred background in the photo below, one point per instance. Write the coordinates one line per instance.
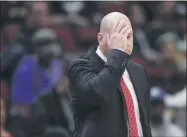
(39, 40)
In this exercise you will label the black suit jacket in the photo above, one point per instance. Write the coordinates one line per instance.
(97, 98)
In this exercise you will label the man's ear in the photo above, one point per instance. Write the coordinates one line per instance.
(101, 39)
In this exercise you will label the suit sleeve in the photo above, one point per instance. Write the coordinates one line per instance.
(92, 88)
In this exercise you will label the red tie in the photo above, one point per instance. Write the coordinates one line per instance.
(133, 130)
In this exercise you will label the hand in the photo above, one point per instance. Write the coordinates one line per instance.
(118, 38)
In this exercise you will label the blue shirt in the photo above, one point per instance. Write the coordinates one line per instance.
(29, 79)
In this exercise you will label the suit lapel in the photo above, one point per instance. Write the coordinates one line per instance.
(136, 81)
(138, 84)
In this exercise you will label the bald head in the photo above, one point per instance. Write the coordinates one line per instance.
(111, 19)
(108, 27)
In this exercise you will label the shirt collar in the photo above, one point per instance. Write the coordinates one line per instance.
(100, 54)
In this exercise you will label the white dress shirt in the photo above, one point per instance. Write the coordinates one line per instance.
(130, 86)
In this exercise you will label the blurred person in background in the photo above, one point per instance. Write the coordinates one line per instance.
(138, 18)
(39, 71)
(161, 118)
(78, 13)
(162, 21)
(167, 45)
(172, 45)
(181, 34)
(177, 100)
(12, 12)
(8, 130)
(174, 68)
(37, 16)
(3, 131)
(177, 37)
(54, 110)
(72, 11)
(35, 74)
(163, 14)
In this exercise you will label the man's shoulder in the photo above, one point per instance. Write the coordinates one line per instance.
(136, 65)
(139, 68)
(82, 61)
(85, 60)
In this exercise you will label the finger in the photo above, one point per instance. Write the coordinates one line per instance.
(115, 26)
(124, 30)
(120, 27)
(128, 31)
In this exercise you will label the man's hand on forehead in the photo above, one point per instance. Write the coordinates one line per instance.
(118, 36)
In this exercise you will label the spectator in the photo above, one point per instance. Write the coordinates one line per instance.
(35, 73)
(54, 108)
(164, 11)
(138, 19)
(161, 123)
(176, 40)
(167, 45)
(4, 133)
(39, 71)
(8, 130)
(73, 12)
(84, 10)
(162, 21)
(177, 100)
(12, 12)
(37, 16)
(181, 34)
(174, 59)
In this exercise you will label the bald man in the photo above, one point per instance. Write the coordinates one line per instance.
(110, 94)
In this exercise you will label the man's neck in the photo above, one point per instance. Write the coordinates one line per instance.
(103, 51)
(101, 54)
